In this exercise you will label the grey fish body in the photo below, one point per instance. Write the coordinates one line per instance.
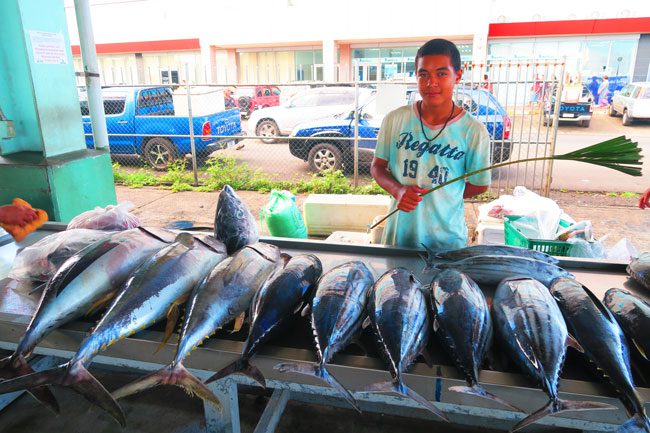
(234, 225)
(491, 250)
(398, 312)
(530, 324)
(337, 313)
(639, 269)
(493, 269)
(147, 294)
(282, 295)
(463, 323)
(598, 333)
(633, 315)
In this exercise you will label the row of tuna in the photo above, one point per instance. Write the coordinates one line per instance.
(143, 277)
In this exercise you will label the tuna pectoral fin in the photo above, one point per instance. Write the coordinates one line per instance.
(238, 323)
(100, 302)
(172, 319)
(10, 368)
(321, 373)
(558, 406)
(636, 424)
(479, 391)
(241, 366)
(173, 374)
(390, 387)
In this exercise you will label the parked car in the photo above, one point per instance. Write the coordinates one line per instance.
(249, 99)
(576, 105)
(307, 105)
(331, 146)
(633, 102)
(143, 121)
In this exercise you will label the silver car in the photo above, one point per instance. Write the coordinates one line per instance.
(633, 102)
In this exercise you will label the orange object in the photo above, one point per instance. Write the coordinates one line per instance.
(18, 232)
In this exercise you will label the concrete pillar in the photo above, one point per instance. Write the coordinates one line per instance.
(329, 60)
(232, 66)
(345, 63)
(47, 162)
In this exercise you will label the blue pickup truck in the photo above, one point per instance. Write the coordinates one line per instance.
(143, 121)
(327, 143)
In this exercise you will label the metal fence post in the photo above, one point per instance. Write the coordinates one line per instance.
(191, 122)
(555, 124)
(355, 180)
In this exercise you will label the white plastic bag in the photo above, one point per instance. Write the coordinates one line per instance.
(623, 250)
(108, 218)
(38, 262)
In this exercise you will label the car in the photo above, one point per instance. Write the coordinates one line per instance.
(328, 143)
(576, 105)
(309, 104)
(249, 99)
(632, 102)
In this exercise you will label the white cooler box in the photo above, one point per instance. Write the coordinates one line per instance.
(327, 213)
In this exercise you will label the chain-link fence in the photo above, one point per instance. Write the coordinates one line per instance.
(291, 131)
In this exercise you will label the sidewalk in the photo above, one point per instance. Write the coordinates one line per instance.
(614, 215)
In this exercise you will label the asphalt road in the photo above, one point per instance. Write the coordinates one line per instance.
(276, 160)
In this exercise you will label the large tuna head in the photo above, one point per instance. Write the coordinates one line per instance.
(234, 224)
(639, 269)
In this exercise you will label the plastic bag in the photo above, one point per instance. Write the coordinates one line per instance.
(282, 216)
(583, 248)
(38, 262)
(108, 218)
(623, 250)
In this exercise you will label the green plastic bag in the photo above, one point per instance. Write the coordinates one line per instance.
(282, 216)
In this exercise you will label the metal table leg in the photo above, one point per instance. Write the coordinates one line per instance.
(273, 411)
(226, 420)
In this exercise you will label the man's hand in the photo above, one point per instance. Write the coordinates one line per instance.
(408, 197)
(644, 201)
(17, 215)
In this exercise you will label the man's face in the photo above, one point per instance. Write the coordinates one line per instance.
(436, 79)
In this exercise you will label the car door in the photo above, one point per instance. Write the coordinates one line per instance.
(369, 124)
(331, 103)
(642, 102)
(300, 109)
(119, 120)
(621, 101)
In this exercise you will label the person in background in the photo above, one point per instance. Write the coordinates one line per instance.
(644, 201)
(16, 215)
(485, 84)
(593, 88)
(425, 144)
(603, 92)
(228, 98)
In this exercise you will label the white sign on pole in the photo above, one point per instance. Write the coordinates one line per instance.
(48, 48)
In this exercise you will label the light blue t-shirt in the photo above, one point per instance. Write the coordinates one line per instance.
(464, 146)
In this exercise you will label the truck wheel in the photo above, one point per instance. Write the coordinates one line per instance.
(585, 123)
(159, 153)
(627, 119)
(611, 111)
(325, 156)
(267, 128)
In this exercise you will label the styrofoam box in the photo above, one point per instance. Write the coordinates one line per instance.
(489, 234)
(327, 213)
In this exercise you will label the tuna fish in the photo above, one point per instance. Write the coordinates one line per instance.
(530, 325)
(337, 313)
(462, 321)
(633, 315)
(223, 295)
(488, 250)
(85, 281)
(639, 269)
(162, 279)
(234, 225)
(397, 310)
(493, 269)
(595, 329)
(283, 294)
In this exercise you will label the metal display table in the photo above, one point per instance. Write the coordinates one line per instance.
(353, 368)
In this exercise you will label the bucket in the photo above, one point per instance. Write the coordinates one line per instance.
(377, 232)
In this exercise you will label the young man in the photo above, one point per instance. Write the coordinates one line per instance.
(16, 215)
(428, 143)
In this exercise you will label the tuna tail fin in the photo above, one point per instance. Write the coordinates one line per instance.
(17, 366)
(401, 388)
(320, 372)
(173, 374)
(636, 424)
(479, 391)
(74, 376)
(557, 406)
(242, 366)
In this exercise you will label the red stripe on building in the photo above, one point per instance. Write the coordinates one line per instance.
(573, 27)
(144, 47)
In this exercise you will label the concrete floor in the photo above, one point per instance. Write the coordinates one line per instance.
(168, 409)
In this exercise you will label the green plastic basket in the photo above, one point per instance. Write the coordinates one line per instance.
(514, 237)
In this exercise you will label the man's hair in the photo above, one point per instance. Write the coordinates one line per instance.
(440, 46)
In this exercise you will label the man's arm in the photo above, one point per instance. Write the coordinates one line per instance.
(15, 214)
(472, 190)
(407, 196)
(644, 201)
